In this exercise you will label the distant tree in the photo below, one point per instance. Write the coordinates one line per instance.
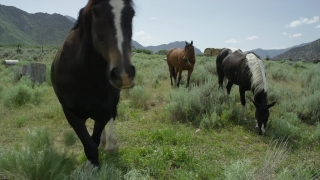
(162, 52)
(267, 57)
(146, 51)
(19, 51)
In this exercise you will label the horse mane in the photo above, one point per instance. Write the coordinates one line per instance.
(84, 17)
(257, 72)
(251, 52)
(78, 21)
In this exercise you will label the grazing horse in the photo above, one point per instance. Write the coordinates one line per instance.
(91, 67)
(247, 71)
(179, 60)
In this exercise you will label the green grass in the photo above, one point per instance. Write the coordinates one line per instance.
(165, 132)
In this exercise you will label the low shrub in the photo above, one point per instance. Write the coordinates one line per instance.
(140, 97)
(36, 160)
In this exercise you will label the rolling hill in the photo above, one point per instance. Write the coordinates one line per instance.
(272, 52)
(308, 52)
(176, 44)
(18, 26)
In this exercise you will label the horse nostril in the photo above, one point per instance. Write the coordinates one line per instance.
(114, 74)
(132, 72)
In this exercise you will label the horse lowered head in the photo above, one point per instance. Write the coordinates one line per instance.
(113, 41)
(262, 116)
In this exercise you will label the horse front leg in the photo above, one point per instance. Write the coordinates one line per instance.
(188, 80)
(109, 143)
(78, 125)
(243, 101)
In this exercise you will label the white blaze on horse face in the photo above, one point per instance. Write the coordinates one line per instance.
(117, 7)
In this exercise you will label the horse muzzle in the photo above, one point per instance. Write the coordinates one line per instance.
(122, 79)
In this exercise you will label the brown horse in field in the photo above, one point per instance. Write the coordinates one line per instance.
(179, 60)
(91, 67)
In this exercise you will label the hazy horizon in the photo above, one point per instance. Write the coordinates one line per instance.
(247, 24)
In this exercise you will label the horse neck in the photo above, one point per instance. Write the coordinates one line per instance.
(261, 98)
(192, 58)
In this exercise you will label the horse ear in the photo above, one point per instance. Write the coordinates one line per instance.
(256, 104)
(186, 42)
(272, 104)
(191, 42)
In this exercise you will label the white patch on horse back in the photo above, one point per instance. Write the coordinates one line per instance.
(263, 129)
(117, 7)
(233, 49)
(258, 79)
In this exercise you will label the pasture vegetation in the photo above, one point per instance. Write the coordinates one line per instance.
(164, 132)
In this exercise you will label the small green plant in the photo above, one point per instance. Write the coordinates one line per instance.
(69, 138)
(309, 108)
(212, 121)
(140, 97)
(240, 170)
(283, 128)
(20, 121)
(36, 160)
(162, 52)
(17, 96)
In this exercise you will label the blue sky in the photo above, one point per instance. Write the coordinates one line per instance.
(244, 24)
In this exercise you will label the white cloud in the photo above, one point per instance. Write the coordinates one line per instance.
(302, 21)
(140, 33)
(252, 37)
(296, 35)
(318, 26)
(284, 33)
(154, 18)
(231, 41)
(146, 37)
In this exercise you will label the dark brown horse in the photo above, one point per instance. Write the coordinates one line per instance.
(247, 71)
(179, 60)
(91, 67)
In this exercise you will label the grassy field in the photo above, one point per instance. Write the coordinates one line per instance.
(164, 132)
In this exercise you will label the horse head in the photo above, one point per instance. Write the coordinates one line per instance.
(110, 28)
(262, 116)
(189, 52)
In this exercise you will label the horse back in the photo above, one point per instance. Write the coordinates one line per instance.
(234, 67)
(175, 58)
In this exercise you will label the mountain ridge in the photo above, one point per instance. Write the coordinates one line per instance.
(308, 52)
(273, 52)
(175, 44)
